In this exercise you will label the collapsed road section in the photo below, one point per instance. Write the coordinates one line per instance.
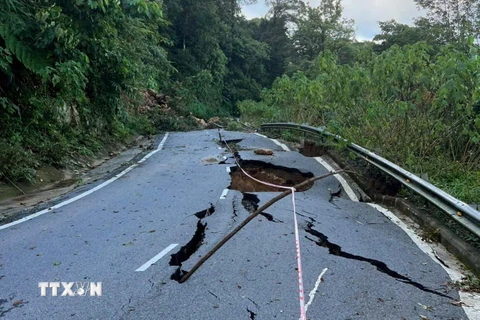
(267, 172)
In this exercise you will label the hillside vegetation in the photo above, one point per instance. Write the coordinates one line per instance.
(74, 76)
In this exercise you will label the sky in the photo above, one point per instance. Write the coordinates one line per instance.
(365, 13)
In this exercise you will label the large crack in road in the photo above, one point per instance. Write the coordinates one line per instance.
(336, 250)
(188, 250)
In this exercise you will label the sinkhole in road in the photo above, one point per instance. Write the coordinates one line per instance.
(250, 203)
(264, 171)
(382, 267)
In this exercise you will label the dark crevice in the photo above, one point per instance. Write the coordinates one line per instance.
(360, 198)
(191, 247)
(4, 311)
(236, 158)
(234, 207)
(440, 260)
(213, 294)
(252, 314)
(335, 194)
(311, 219)
(231, 145)
(256, 305)
(264, 171)
(17, 304)
(271, 218)
(178, 274)
(205, 213)
(230, 142)
(224, 161)
(227, 160)
(250, 202)
(336, 250)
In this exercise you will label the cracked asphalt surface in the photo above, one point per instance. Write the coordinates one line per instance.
(107, 235)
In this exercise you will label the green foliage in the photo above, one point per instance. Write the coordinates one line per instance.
(256, 112)
(140, 124)
(322, 28)
(202, 111)
(234, 126)
(32, 60)
(456, 20)
(468, 283)
(394, 33)
(18, 164)
(69, 71)
(8, 106)
(458, 180)
(416, 110)
(219, 61)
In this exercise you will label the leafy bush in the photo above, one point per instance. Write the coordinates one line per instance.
(200, 110)
(234, 126)
(256, 112)
(16, 164)
(141, 125)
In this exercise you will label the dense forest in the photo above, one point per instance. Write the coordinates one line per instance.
(75, 75)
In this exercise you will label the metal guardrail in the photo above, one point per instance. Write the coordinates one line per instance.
(461, 212)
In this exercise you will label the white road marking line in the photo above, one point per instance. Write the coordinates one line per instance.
(229, 170)
(162, 143)
(159, 256)
(160, 147)
(348, 190)
(278, 143)
(472, 301)
(315, 288)
(282, 145)
(224, 194)
(86, 193)
(260, 135)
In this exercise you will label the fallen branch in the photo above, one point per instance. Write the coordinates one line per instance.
(13, 184)
(250, 218)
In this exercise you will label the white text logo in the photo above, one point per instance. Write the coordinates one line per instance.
(70, 289)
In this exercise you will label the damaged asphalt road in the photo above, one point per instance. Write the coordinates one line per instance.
(178, 200)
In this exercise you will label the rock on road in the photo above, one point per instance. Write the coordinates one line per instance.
(125, 233)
